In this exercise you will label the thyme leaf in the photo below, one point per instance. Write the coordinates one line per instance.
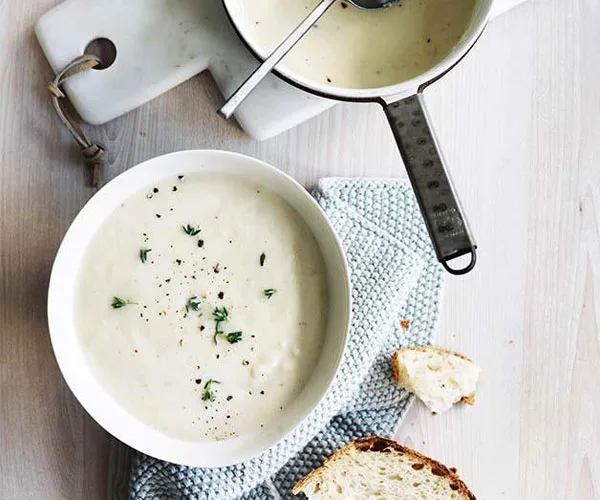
(118, 302)
(193, 303)
(191, 230)
(221, 314)
(234, 337)
(208, 394)
(144, 254)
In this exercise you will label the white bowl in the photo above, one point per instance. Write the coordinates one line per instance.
(70, 356)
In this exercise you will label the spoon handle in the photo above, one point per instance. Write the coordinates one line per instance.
(268, 64)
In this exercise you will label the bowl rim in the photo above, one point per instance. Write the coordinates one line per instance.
(131, 430)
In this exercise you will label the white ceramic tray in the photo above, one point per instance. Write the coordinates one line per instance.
(162, 43)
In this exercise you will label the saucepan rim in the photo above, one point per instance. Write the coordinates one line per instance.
(376, 94)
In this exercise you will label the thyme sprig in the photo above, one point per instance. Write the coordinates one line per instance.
(221, 314)
(144, 254)
(193, 304)
(191, 230)
(118, 302)
(232, 338)
(209, 394)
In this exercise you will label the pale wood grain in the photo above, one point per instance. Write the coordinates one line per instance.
(520, 124)
(529, 315)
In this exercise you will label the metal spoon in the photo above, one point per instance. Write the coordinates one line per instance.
(268, 64)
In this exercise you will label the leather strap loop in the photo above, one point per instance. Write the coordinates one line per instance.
(93, 154)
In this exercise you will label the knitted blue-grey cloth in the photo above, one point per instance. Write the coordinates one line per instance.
(394, 277)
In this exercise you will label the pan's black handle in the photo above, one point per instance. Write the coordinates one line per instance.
(426, 169)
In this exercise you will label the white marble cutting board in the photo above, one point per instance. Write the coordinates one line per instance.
(162, 43)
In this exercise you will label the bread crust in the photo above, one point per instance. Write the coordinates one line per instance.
(468, 400)
(395, 363)
(377, 444)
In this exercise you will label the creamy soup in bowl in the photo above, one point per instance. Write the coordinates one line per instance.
(199, 307)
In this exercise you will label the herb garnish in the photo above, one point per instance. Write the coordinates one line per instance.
(220, 315)
(232, 338)
(191, 230)
(144, 254)
(209, 395)
(263, 256)
(193, 303)
(118, 302)
(269, 292)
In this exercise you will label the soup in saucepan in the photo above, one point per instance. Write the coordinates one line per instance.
(354, 48)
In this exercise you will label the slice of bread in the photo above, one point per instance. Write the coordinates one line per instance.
(377, 468)
(438, 377)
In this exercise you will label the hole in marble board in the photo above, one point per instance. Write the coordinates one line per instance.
(104, 49)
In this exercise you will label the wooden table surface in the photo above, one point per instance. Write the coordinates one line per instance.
(519, 121)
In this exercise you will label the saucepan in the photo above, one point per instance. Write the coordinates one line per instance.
(400, 93)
